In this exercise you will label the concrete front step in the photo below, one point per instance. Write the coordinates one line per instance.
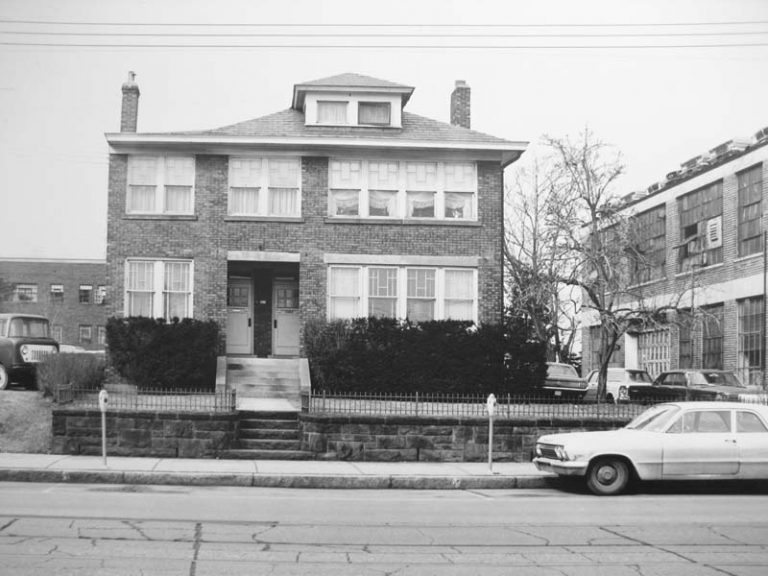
(269, 424)
(244, 454)
(271, 445)
(268, 434)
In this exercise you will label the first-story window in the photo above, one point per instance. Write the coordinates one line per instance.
(57, 333)
(25, 293)
(159, 289)
(101, 335)
(417, 293)
(86, 334)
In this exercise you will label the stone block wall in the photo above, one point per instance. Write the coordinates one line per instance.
(144, 433)
(439, 439)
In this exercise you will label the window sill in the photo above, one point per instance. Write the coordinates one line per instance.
(402, 222)
(649, 283)
(697, 271)
(283, 219)
(159, 217)
(749, 257)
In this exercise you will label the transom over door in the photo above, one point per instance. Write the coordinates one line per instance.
(239, 316)
(285, 323)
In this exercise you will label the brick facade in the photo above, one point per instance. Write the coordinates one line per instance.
(722, 284)
(66, 312)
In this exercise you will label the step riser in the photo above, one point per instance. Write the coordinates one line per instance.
(265, 455)
(262, 434)
(270, 445)
(269, 425)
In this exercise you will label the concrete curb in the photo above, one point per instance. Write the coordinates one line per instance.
(323, 481)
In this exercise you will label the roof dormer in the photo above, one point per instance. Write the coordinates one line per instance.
(351, 100)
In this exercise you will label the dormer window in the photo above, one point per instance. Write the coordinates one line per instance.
(374, 113)
(331, 112)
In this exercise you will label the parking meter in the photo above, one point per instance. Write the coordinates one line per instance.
(103, 399)
(491, 405)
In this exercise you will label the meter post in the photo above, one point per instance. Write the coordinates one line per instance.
(103, 400)
(491, 407)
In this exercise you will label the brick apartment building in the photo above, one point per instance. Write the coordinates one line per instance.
(70, 293)
(343, 205)
(703, 230)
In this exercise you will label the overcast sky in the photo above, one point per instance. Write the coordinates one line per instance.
(553, 68)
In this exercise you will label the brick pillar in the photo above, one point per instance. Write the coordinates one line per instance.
(129, 114)
(460, 105)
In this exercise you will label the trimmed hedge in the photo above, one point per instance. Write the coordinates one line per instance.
(153, 353)
(390, 356)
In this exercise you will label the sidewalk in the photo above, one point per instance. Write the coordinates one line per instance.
(271, 473)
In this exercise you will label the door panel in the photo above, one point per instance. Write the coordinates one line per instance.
(239, 316)
(286, 322)
(701, 443)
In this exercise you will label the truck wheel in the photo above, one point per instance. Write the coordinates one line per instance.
(608, 476)
(4, 380)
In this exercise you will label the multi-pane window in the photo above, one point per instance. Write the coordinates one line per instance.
(650, 259)
(712, 337)
(57, 293)
(750, 187)
(701, 223)
(264, 187)
(653, 349)
(85, 294)
(392, 189)
(57, 333)
(25, 293)
(85, 334)
(159, 289)
(750, 343)
(374, 113)
(416, 293)
(160, 185)
(101, 294)
(331, 112)
(101, 335)
(685, 339)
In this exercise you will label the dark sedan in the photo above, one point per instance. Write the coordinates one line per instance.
(678, 385)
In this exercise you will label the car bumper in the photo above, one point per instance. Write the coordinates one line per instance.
(560, 467)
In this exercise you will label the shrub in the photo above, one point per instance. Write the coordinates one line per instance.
(153, 353)
(84, 371)
(386, 355)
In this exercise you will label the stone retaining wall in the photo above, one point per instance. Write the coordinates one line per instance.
(405, 438)
(144, 433)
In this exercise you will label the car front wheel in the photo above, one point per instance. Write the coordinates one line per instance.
(4, 380)
(608, 476)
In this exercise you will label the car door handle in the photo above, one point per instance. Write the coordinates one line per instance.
(731, 440)
(249, 322)
(275, 323)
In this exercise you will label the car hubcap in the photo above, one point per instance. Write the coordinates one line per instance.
(606, 475)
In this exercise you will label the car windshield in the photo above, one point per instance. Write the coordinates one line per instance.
(715, 379)
(28, 328)
(654, 419)
(561, 371)
(639, 376)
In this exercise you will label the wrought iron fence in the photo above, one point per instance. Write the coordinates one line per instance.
(509, 406)
(158, 400)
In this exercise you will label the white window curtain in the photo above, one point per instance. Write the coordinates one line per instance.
(382, 292)
(420, 205)
(421, 175)
(142, 184)
(382, 203)
(245, 186)
(460, 176)
(377, 113)
(140, 288)
(459, 294)
(179, 179)
(344, 288)
(421, 295)
(344, 203)
(383, 176)
(331, 112)
(176, 290)
(458, 205)
(283, 202)
(283, 187)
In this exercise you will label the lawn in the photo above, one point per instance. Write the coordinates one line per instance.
(25, 421)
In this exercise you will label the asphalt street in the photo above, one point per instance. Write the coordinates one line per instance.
(57, 529)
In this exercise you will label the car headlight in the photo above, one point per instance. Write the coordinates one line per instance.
(623, 393)
(24, 350)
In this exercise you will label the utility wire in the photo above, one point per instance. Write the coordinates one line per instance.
(395, 46)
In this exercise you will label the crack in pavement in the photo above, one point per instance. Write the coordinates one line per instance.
(7, 524)
(132, 524)
(196, 548)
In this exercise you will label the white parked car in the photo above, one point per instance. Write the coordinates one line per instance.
(618, 383)
(674, 441)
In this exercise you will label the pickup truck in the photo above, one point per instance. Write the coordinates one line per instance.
(25, 341)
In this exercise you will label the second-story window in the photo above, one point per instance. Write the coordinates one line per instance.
(345, 188)
(331, 112)
(25, 293)
(57, 293)
(750, 185)
(264, 187)
(701, 227)
(650, 233)
(85, 294)
(374, 113)
(160, 185)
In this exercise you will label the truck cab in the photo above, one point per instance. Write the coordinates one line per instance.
(25, 341)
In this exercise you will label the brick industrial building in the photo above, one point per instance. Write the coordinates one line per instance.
(343, 205)
(70, 293)
(703, 231)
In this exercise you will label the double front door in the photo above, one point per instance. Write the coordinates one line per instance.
(284, 318)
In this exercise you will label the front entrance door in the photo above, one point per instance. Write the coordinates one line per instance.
(285, 319)
(239, 316)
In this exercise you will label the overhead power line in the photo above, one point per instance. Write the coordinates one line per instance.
(397, 46)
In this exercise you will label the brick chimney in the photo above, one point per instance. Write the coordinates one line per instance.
(129, 114)
(460, 105)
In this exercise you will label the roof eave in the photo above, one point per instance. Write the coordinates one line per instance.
(299, 90)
